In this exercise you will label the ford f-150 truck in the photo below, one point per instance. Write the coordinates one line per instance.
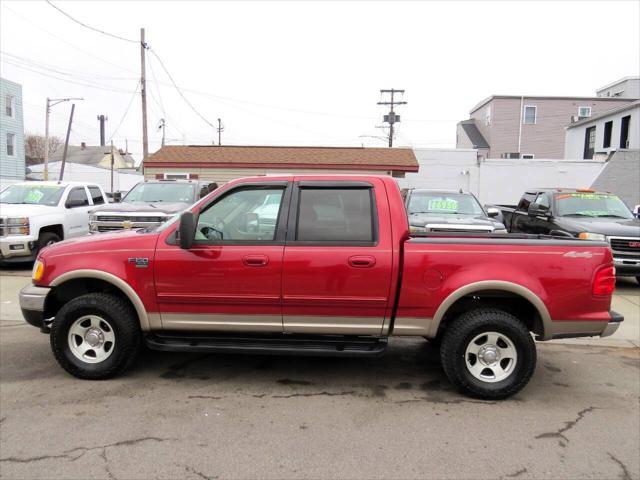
(331, 271)
(580, 213)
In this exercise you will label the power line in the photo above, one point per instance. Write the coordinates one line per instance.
(89, 26)
(178, 89)
(135, 91)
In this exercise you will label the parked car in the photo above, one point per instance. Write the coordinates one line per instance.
(34, 215)
(336, 274)
(580, 213)
(447, 211)
(147, 204)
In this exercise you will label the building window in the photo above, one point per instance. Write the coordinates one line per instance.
(11, 144)
(624, 131)
(8, 106)
(530, 114)
(608, 128)
(584, 111)
(528, 156)
(589, 142)
(487, 116)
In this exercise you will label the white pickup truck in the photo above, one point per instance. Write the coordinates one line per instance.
(36, 214)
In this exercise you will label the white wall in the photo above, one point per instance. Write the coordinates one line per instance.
(496, 180)
(575, 136)
(75, 172)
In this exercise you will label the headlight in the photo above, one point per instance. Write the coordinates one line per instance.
(592, 236)
(18, 226)
(38, 270)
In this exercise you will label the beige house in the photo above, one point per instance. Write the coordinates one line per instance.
(529, 127)
(223, 163)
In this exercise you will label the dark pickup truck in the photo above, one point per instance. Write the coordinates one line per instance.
(581, 213)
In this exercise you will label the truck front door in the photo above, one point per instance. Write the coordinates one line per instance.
(231, 278)
(337, 258)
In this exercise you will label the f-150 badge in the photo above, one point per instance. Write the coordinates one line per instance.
(140, 262)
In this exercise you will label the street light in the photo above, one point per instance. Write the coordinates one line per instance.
(50, 103)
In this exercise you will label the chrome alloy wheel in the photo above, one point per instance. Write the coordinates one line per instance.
(491, 357)
(91, 339)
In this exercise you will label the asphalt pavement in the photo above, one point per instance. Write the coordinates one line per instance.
(222, 416)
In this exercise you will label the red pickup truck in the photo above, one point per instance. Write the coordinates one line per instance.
(320, 265)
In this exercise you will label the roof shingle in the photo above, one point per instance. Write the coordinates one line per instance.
(308, 157)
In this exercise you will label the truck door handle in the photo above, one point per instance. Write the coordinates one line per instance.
(255, 260)
(362, 261)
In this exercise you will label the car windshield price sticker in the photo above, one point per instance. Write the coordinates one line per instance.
(443, 204)
(33, 196)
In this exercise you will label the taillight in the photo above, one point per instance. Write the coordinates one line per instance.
(604, 282)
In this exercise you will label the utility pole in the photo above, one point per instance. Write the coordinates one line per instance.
(143, 93)
(50, 103)
(391, 118)
(102, 119)
(112, 161)
(220, 130)
(66, 144)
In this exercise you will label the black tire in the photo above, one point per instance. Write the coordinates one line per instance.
(468, 326)
(47, 238)
(122, 319)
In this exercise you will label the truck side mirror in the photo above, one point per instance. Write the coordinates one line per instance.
(536, 210)
(492, 212)
(186, 230)
(117, 197)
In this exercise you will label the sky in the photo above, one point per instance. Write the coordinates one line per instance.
(304, 73)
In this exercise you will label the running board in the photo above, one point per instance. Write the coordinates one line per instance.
(342, 346)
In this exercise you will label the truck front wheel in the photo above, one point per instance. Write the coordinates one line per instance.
(47, 238)
(95, 336)
(488, 353)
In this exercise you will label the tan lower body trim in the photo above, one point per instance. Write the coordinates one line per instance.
(411, 326)
(222, 322)
(580, 328)
(333, 325)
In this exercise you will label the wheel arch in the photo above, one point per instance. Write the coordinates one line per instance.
(120, 285)
(510, 290)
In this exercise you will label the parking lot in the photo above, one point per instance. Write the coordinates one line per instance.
(222, 416)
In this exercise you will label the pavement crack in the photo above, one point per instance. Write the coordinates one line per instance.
(78, 452)
(103, 455)
(210, 397)
(517, 474)
(198, 474)
(567, 426)
(625, 475)
(316, 394)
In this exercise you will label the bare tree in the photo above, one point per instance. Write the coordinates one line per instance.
(34, 147)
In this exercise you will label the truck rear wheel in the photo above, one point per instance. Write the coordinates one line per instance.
(95, 336)
(488, 353)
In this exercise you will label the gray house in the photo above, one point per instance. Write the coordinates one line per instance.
(528, 127)
(627, 87)
(12, 165)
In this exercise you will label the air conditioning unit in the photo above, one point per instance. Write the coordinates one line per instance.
(574, 118)
(510, 155)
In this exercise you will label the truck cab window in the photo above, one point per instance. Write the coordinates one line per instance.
(77, 194)
(335, 214)
(96, 195)
(543, 199)
(249, 214)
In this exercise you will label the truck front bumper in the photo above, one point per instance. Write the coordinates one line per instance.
(626, 266)
(32, 304)
(18, 248)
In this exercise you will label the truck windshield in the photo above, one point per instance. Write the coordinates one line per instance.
(161, 192)
(32, 194)
(443, 203)
(581, 204)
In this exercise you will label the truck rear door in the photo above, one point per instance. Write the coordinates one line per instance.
(337, 258)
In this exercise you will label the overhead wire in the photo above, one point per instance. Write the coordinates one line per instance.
(90, 27)
(135, 91)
